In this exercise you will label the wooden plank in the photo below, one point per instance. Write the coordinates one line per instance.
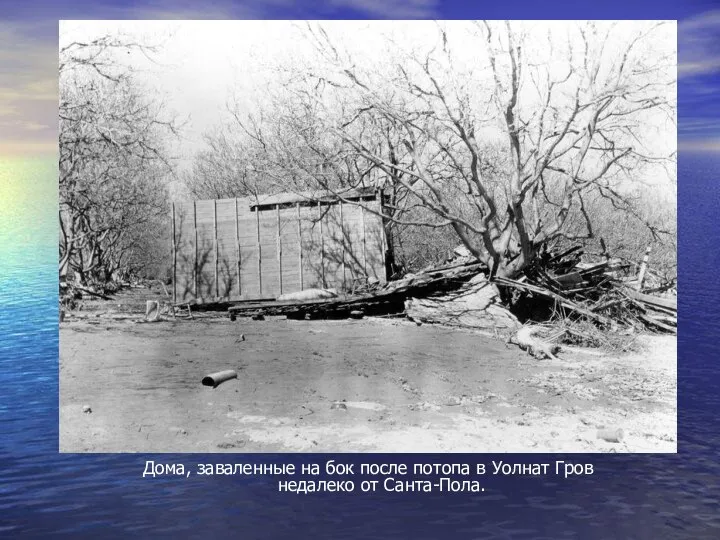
(237, 243)
(174, 256)
(195, 263)
(215, 245)
(564, 254)
(299, 245)
(383, 247)
(342, 239)
(643, 269)
(667, 303)
(279, 249)
(390, 302)
(322, 247)
(259, 251)
(659, 324)
(364, 240)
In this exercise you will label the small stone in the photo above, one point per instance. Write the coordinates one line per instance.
(86, 409)
(338, 406)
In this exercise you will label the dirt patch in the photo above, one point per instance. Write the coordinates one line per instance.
(350, 386)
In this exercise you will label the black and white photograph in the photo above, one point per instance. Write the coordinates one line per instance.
(368, 236)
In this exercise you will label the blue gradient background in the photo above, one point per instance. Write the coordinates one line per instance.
(47, 494)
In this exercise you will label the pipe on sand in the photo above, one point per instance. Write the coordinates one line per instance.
(215, 379)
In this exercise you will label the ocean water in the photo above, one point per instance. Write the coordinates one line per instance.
(47, 494)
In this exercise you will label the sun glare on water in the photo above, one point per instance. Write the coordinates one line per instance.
(28, 207)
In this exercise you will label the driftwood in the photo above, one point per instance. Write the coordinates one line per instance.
(525, 339)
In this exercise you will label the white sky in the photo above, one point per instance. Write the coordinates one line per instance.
(202, 63)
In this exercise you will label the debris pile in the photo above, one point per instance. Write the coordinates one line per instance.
(606, 294)
(601, 292)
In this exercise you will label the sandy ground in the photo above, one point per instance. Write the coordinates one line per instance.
(372, 385)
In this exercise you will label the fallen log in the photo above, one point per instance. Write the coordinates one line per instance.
(90, 292)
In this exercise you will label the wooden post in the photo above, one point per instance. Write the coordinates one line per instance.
(343, 240)
(300, 253)
(322, 247)
(364, 252)
(217, 285)
(195, 272)
(643, 269)
(383, 241)
(279, 249)
(259, 249)
(174, 255)
(237, 242)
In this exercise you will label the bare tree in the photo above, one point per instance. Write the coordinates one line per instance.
(113, 163)
(572, 114)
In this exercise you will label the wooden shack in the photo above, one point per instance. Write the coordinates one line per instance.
(262, 247)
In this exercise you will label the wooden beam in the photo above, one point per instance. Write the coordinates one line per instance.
(342, 239)
(279, 249)
(322, 247)
(195, 260)
(215, 242)
(659, 324)
(383, 242)
(237, 242)
(667, 303)
(364, 255)
(300, 253)
(259, 250)
(643, 269)
(174, 256)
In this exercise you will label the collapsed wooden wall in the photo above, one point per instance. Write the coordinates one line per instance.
(231, 249)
